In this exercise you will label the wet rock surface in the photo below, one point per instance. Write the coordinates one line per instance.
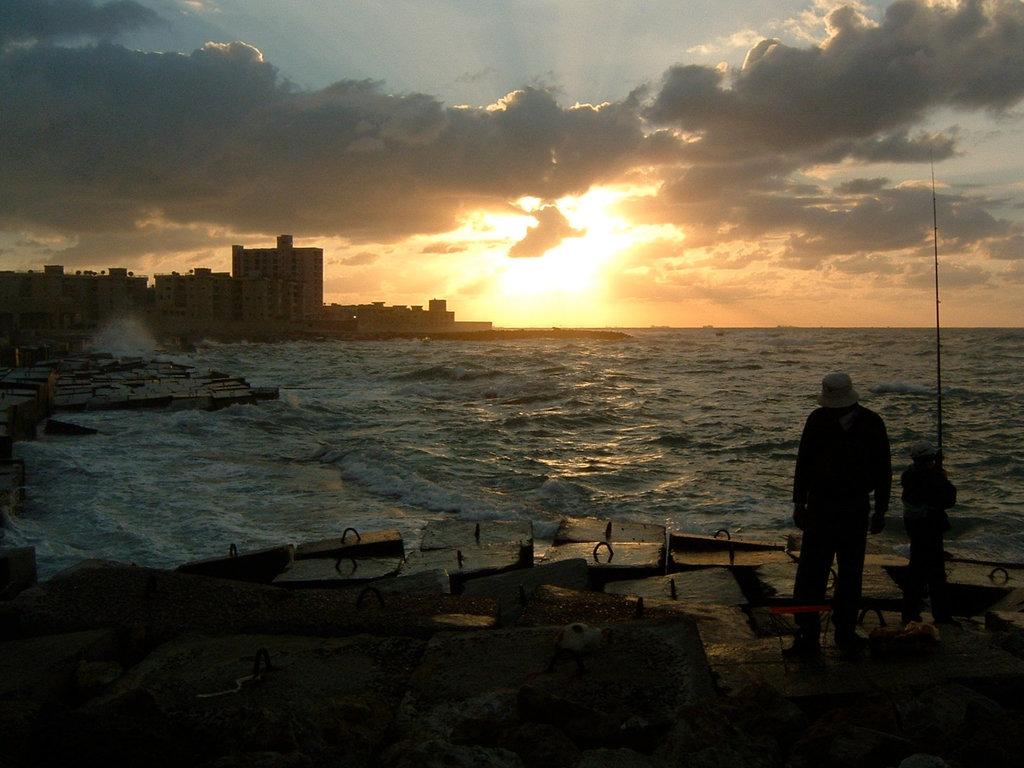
(114, 665)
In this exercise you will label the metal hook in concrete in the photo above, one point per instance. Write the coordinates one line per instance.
(345, 533)
(476, 533)
(639, 607)
(337, 564)
(232, 550)
(374, 590)
(726, 532)
(998, 569)
(878, 613)
(459, 556)
(261, 655)
(672, 589)
(611, 552)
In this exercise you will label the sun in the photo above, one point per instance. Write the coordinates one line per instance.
(566, 277)
(573, 267)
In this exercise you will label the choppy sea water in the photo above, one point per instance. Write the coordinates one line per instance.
(695, 429)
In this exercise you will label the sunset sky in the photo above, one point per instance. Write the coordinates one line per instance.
(534, 162)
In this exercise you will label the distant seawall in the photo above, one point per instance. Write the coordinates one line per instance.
(494, 334)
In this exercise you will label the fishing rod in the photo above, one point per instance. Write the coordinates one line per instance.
(938, 334)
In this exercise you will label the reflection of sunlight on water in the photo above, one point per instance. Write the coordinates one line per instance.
(123, 337)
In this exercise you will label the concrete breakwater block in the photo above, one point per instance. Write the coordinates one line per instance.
(774, 581)
(17, 570)
(12, 485)
(706, 585)
(464, 535)
(40, 669)
(166, 604)
(694, 551)
(609, 561)
(638, 672)
(554, 605)
(513, 589)
(55, 427)
(579, 530)
(469, 549)
(463, 565)
(243, 696)
(261, 566)
(323, 572)
(353, 543)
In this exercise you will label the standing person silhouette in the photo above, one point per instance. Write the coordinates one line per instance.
(927, 494)
(844, 458)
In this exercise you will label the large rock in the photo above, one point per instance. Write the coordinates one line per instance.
(161, 605)
(199, 699)
(642, 673)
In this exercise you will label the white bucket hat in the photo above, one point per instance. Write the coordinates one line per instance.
(837, 391)
(922, 450)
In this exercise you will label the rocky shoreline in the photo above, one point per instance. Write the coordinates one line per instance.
(116, 664)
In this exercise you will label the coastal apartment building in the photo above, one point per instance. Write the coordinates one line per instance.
(55, 300)
(270, 291)
(202, 300)
(376, 317)
(284, 262)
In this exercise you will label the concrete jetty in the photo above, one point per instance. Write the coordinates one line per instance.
(174, 668)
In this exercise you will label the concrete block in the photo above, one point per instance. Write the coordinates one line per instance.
(17, 570)
(513, 589)
(592, 529)
(353, 543)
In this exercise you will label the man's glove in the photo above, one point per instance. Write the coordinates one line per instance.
(877, 522)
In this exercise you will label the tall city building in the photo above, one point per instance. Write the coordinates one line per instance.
(285, 262)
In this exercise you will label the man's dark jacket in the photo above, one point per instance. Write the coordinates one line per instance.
(837, 465)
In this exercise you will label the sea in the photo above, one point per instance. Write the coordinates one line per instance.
(694, 429)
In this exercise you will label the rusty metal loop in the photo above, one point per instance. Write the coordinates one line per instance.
(459, 556)
(233, 550)
(725, 531)
(608, 531)
(476, 533)
(261, 655)
(639, 607)
(345, 533)
(611, 552)
(337, 564)
(672, 589)
(997, 569)
(374, 590)
(877, 612)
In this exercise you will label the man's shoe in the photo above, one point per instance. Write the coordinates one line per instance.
(802, 648)
(851, 644)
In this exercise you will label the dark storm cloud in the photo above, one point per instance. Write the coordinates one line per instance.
(855, 98)
(866, 81)
(552, 228)
(100, 139)
(49, 20)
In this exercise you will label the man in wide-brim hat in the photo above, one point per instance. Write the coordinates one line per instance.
(844, 459)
